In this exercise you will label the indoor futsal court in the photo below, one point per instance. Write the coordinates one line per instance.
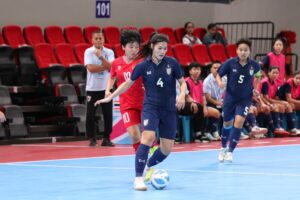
(262, 169)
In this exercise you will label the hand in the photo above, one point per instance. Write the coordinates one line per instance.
(221, 85)
(194, 107)
(255, 93)
(220, 103)
(2, 117)
(98, 53)
(180, 102)
(107, 93)
(105, 100)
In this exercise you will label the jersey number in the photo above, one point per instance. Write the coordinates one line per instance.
(126, 75)
(241, 79)
(160, 83)
(246, 111)
(126, 118)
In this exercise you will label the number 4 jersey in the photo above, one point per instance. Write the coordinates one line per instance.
(159, 82)
(134, 96)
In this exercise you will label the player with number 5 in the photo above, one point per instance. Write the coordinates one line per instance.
(243, 76)
(159, 74)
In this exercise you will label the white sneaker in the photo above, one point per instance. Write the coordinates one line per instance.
(258, 131)
(222, 154)
(228, 157)
(139, 184)
(295, 131)
(244, 136)
(216, 135)
(210, 137)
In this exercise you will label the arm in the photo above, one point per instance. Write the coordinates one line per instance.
(257, 78)
(180, 100)
(121, 89)
(212, 100)
(219, 81)
(105, 63)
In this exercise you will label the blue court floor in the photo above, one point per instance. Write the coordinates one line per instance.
(268, 173)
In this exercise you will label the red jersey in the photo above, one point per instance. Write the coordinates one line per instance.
(196, 90)
(267, 88)
(278, 60)
(295, 90)
(133, 98)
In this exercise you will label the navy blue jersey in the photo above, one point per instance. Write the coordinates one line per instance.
(239, 78)
(159, 81)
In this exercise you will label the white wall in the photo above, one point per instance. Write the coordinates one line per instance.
(284, 13)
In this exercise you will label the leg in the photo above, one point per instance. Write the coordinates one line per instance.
(92, 97)
(107, 114)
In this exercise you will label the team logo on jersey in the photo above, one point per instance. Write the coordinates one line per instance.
(146, 122)
(251, 71)
(119, 67)
(169, 70)
(234, 70)
(149, 72)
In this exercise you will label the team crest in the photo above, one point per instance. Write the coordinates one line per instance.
(251, 71)
(169, 70)
(146, 122)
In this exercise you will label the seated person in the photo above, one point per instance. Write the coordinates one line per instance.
(213, 36)
(189, 38)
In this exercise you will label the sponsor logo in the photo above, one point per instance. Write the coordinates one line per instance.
(146, 122)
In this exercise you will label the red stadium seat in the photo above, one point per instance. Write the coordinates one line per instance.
(118, 50)
(54, 35)
(200, 32)
(200, 54)
(231, 50)
(33, 35)
(217, 52)
(88, 31)
(183, 54)
(79, 50)
(112, 35)
(13, 36)
(51, 71)
(179, 32)
(170, 33)
(170, 51)
(74, 35)
(2, 42)
(146, 32)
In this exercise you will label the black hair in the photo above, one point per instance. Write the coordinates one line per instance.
(194, 65)
(96, 32)
(273, 67)
(130, 36)
(282, 39)
(154, 39)
(215, 62)
(211, 25)
(244, 41)
(187, 23)
(296, 73)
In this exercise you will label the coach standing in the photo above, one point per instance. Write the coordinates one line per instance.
(97, 60)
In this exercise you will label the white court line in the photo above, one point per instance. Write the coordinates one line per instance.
(174, 170)
(262, 142)
(204, 146)
(288, 140)
(117, 156)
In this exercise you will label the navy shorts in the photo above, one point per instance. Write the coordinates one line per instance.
(233, 107)
(164, 121)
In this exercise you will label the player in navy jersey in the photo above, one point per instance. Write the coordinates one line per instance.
(240, 72)
(159, 74)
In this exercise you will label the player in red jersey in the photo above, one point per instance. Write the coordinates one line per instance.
(131, 101)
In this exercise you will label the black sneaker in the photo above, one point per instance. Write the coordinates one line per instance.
(107, 143)
(93, 143)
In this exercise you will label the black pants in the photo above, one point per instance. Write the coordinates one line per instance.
(92, 97)
(198, 118)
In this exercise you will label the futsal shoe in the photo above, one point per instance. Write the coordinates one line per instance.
(222, 154)
(258, 131)
(107, 143)
(295, 132)
(139, 184)
(148, 173)
(216, 135)
(93, 143)
(280, 132)
(228, 157)
(244, 136)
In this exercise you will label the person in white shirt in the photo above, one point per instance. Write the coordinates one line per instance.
(97, 60)
(189, 38)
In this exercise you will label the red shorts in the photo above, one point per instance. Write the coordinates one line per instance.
(131, 117)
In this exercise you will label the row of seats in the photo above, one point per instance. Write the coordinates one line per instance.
(33, 35)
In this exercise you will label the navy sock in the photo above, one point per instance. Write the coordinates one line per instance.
(290, 120)
(281, 119)
(261, 118)
(141, 159)
(235, 134)
(156, 158)
(208, 125)
(270, 122)
(225, 135)
(251, 119)
(276, 119)
(214, 122)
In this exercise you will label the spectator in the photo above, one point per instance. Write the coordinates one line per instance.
(213, 36)
(189, 38)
